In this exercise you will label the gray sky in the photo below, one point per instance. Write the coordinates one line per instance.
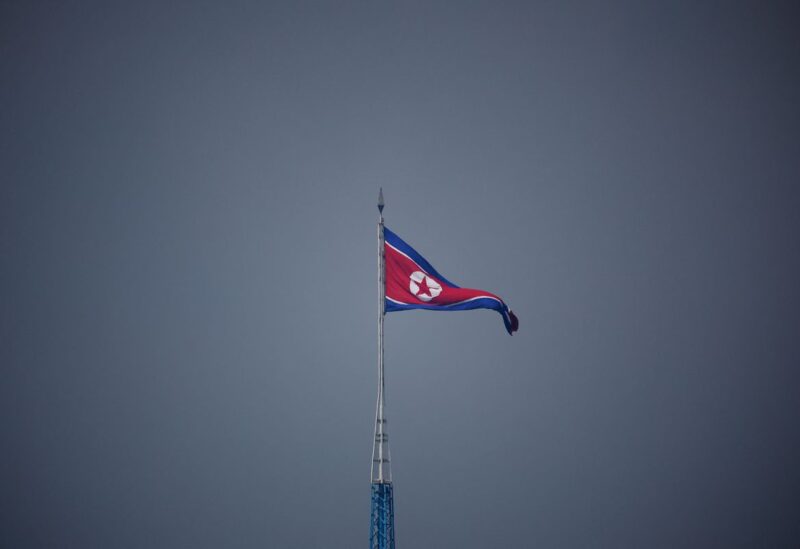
(188, 285)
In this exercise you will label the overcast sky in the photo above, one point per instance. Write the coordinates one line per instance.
(188, 273)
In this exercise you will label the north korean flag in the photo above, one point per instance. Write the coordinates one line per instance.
(413, 283)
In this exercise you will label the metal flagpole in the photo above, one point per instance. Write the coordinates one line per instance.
(382, 512)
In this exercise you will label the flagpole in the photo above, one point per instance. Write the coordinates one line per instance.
(380, 455)
(381, 531)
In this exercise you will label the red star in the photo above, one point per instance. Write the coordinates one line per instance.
(423, 287)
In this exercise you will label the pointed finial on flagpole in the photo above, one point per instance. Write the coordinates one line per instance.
(380, 200)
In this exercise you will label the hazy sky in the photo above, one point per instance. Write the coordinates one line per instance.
(188, 273)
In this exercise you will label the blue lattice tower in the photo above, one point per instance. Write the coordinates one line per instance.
(381, 528)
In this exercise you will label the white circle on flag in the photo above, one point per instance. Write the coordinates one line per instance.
(423, 286)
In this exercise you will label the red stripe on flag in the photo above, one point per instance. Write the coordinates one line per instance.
(399, 269)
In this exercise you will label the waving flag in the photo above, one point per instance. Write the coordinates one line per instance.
(413, 283)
